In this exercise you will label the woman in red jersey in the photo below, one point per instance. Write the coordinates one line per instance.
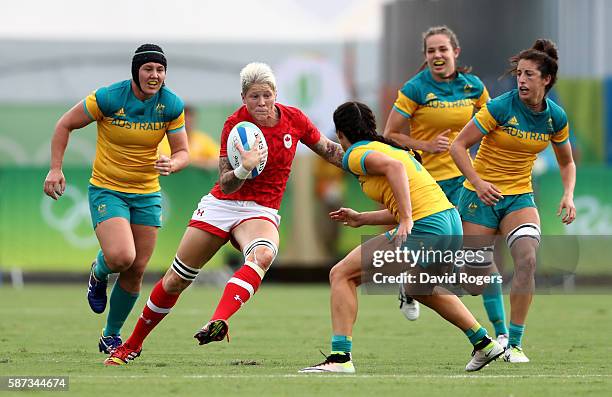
(243, 210)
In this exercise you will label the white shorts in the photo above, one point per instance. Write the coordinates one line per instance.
(220, 217)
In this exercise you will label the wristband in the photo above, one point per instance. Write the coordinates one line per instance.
(241, 172)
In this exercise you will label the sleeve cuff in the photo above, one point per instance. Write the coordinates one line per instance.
(480, 127)
(400, 111)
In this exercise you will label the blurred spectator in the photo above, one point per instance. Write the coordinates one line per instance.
(203, 150)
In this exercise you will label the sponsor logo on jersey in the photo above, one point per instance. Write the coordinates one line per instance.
(513, 121)
(468, 88)
(430, 97)
(120, 113)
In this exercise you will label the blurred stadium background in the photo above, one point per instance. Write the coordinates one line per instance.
(54, 54)
(324, 52)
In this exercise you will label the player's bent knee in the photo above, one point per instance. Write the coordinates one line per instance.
(343, 271)
(261, 252)
(120, 261)
(336, 274)
(262, 258)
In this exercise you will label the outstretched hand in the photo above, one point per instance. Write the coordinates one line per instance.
(348, 216)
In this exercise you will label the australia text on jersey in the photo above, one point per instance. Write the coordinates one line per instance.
(139, 125)
(449, 104)
(534, 136)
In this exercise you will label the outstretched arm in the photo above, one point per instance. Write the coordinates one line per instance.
(352, 218)
(75, 118)
(568, 177)
(329, 150)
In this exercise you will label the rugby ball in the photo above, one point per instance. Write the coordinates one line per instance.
(245, 133)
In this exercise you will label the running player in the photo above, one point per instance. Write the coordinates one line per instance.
(430, 110)
(415, 203)
(497, 196)
(124, 193)
(245, 211)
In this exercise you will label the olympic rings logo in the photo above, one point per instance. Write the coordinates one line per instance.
(74, 213)
(69, 214)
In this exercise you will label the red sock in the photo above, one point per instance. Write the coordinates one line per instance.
(243, 284)
(158, 305)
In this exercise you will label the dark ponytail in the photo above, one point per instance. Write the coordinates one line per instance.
(544, 52)
(357, 122)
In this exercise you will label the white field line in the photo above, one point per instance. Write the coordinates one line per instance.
(341, 376)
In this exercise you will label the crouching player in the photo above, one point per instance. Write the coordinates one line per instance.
(415, 203)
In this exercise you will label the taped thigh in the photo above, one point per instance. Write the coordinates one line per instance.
(526, 230)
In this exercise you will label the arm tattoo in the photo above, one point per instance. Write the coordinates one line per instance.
(227, 180)
(330, 151)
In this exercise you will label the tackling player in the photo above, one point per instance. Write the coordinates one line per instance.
(415, 203)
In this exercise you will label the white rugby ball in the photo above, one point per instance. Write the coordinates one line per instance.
(245, 133)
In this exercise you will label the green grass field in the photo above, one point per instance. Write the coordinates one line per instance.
(49, 330)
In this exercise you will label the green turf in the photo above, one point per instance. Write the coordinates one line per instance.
(49, 330)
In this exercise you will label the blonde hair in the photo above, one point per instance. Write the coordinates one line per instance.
(256, 73)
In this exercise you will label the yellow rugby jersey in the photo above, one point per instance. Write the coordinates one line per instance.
(426, 196)
(201, 146)
(129, 131)
(433, 107)
(514, 135)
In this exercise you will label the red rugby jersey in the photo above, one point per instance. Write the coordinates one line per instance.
(268, 187)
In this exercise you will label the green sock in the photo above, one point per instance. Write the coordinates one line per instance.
(494, 305)
(516, 334)
(101, 270)
(476, 333)
(342, 344)
(121, 304)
